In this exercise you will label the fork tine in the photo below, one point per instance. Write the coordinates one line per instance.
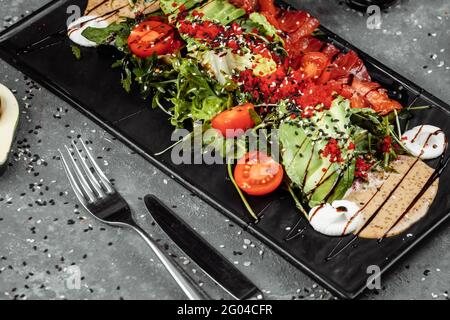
(88, 172)
(97, 169)
(85, 186)
(72, 180)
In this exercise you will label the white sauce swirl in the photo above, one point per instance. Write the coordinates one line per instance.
(340, 218)
(76, 28)
(426, 142)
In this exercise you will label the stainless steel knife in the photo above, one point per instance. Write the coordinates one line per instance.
(215, 265)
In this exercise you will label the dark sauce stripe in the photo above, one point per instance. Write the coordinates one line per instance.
(362, 209)
(96, 7)
(315, 211)
(295, 231)
(307, 167)
(417, 134)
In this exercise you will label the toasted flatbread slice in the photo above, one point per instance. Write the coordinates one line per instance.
(409, 178)
(117, 10)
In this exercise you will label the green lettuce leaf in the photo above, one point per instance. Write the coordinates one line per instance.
(113, 34)
(197, 98)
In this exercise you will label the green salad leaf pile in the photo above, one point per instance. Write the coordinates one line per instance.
(319, 153)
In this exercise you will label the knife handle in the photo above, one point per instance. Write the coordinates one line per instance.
(214, 264)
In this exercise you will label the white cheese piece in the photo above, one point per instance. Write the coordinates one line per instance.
(76, 28)
(427, 142)
(340, 218)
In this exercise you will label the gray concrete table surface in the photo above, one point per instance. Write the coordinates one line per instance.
(44, 233)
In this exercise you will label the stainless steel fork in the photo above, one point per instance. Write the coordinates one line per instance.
(98, 196)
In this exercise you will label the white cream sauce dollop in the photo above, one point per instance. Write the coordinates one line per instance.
(76, 28)
(340, 218)
(426, 142)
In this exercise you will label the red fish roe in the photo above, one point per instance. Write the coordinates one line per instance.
(362, 168)
(351, 146)
(315, 94)
(333, 150)
(288, 86)
(218, 36)
(386, 145)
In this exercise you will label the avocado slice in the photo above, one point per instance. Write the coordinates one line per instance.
(9, 118)
(296, 151)
(302, 142)
(221, 11)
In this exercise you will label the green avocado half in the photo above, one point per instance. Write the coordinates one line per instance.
(9, 118)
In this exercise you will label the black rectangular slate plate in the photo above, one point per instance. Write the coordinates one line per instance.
(94, 88)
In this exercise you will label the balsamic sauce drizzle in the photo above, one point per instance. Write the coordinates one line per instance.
(55, 38)
(60, 35)
(443, 163)
(315, 211)
(336, 250)
(417, 134)
(307, 167)
(361, 210)
(438, 172)
(295, 231)
(323, 179)
(96, 7)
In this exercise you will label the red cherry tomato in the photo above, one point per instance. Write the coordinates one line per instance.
(313, 64)
(229, 121)
(153, 37)
(257, 174)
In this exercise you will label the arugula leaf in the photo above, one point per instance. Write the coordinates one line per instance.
(76, 51)
(255, 117)
(108, 35)
(369, 120)
(127, 80)
(197, 97)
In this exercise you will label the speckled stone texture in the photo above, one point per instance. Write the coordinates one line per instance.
(44, 231)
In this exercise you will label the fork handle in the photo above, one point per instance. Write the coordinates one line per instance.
(185, 283)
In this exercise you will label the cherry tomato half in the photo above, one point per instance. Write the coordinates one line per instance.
(313, 64)
(257, 174)
(230, 121)
(150, 37)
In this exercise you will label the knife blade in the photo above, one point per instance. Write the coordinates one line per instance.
(214, 264)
